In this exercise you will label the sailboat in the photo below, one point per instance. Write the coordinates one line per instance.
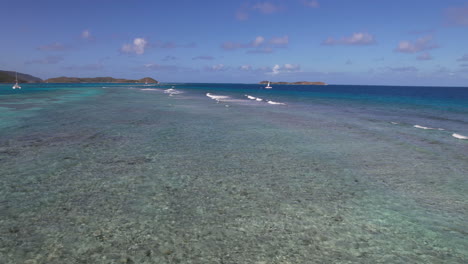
(268, 86)
(16, 86)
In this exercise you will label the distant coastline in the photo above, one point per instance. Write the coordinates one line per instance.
(294, 83)
(10, 77)
(98, 80)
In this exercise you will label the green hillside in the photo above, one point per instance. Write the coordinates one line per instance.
(98, 80)
(9, 77)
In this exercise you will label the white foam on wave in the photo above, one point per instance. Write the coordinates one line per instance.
(224, 98)
(455, 135)
(428, 128)
(254, 98)
(394, 123)
(150, 89)
(276, 103)
(218, 97)
(423, 127)
(172, 91)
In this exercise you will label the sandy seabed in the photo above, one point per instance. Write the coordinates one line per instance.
(138, 176)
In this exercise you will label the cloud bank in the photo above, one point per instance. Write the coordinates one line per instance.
(359, 38)
(457, 16)
(216, 68)
(258, 45)
(277, 69)
(243, 13)
(53, 47)
(311, 3)
(421, 44)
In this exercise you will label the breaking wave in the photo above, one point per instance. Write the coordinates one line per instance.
(172, 91)
(258, 99)
(455, 135)
(428, 128)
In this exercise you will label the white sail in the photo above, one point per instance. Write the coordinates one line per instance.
(16, 86)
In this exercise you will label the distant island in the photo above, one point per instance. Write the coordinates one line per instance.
(10, 77)
(98, 80)
(294, 83)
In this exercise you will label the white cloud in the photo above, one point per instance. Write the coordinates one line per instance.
(217, 67)
(266, 8)
(421, 44)
(359, 38)
(311, 3)
(262, 45)
(245, 67)
(277, 69)
(292, 67)
(329, 41)
(86, 34)
(258, 41)
(243, 13)
(138, 46)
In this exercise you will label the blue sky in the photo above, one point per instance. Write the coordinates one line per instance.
(411, 42)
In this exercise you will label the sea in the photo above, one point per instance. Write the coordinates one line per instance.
(233, 173)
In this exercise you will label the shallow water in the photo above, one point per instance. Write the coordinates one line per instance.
(135, 174)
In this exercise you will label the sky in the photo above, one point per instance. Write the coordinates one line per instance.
(361, 42)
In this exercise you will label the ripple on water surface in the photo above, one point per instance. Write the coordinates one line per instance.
(144, 177)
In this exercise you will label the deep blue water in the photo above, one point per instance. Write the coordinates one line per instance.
(418, 95)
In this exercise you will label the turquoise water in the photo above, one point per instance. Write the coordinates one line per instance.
(103, 173)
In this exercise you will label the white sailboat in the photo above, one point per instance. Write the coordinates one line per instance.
(268, 86)
(16, 86)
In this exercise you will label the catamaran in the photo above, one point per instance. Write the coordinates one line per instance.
(16, 86)
(268, 86)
